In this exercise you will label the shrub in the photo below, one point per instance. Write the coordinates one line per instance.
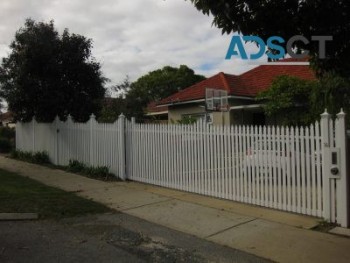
(14, 154)
(8, 133)
(7, 139)
(21, 155)
(5, 145)
(75, 166)
(41, 158)
(101, 172)
(37, 157)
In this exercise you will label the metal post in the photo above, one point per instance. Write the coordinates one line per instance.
(342, 182)
(325, 118)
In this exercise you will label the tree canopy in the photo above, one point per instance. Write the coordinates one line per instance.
(161, 83)
(47, 74)
(154, 86)
(293, 101)
(288, 100)
(266, 18)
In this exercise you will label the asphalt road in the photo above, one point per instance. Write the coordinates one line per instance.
(115, 237)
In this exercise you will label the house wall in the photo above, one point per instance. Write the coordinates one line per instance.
(176, 113)
(7, 123)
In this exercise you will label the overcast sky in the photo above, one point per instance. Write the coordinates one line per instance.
(131, 37)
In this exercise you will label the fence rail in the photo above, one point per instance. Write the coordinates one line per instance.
(285, 168)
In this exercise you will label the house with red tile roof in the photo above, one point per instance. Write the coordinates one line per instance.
(241, 92)
(7, 120)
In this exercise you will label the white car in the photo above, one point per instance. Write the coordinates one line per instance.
(263, 162)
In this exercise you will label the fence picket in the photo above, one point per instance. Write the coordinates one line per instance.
(241, 192)
(303, 170)
(254, 164)
(293, 171)
(270, 162)
(308, 156)
(236, 164)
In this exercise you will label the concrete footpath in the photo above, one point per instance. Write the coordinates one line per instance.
(274, 235)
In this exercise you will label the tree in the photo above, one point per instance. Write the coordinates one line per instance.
(154, 86)
(293, 101)
(111, 109)
(289, 100)
(266, 18)
(48, 74)
(333, 93)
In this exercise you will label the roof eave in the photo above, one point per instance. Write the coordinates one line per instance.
(157, 113)
(201, 100)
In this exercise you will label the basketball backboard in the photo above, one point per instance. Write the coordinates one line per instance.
(216, 100)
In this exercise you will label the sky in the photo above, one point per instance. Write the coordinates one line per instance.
(131, 37)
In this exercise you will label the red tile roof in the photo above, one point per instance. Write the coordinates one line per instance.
(260, 78)
(248, 84)
(7, 116)
(197, 91)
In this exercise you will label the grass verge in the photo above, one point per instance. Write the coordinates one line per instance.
(19, 194)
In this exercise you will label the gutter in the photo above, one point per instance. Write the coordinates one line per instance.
(202, 100)
(156, 113)
(246, 107)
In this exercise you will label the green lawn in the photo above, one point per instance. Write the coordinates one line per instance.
(23, 195)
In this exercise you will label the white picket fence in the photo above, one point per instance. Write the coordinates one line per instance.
(96, 144)
(286, 168)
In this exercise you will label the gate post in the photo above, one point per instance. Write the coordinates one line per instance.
(342, 182)
(325, 118)
(122, 172)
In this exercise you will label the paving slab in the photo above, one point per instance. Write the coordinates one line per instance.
(287, 218)
(189, 218)
(122, 198)
(72, 183)
(18, 216)
(154, 189)
(340, 231)
(283, 243)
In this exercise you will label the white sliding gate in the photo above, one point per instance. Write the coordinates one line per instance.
(272, 167)
(286, 168)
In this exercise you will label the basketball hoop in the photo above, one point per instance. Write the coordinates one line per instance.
(216, 100)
